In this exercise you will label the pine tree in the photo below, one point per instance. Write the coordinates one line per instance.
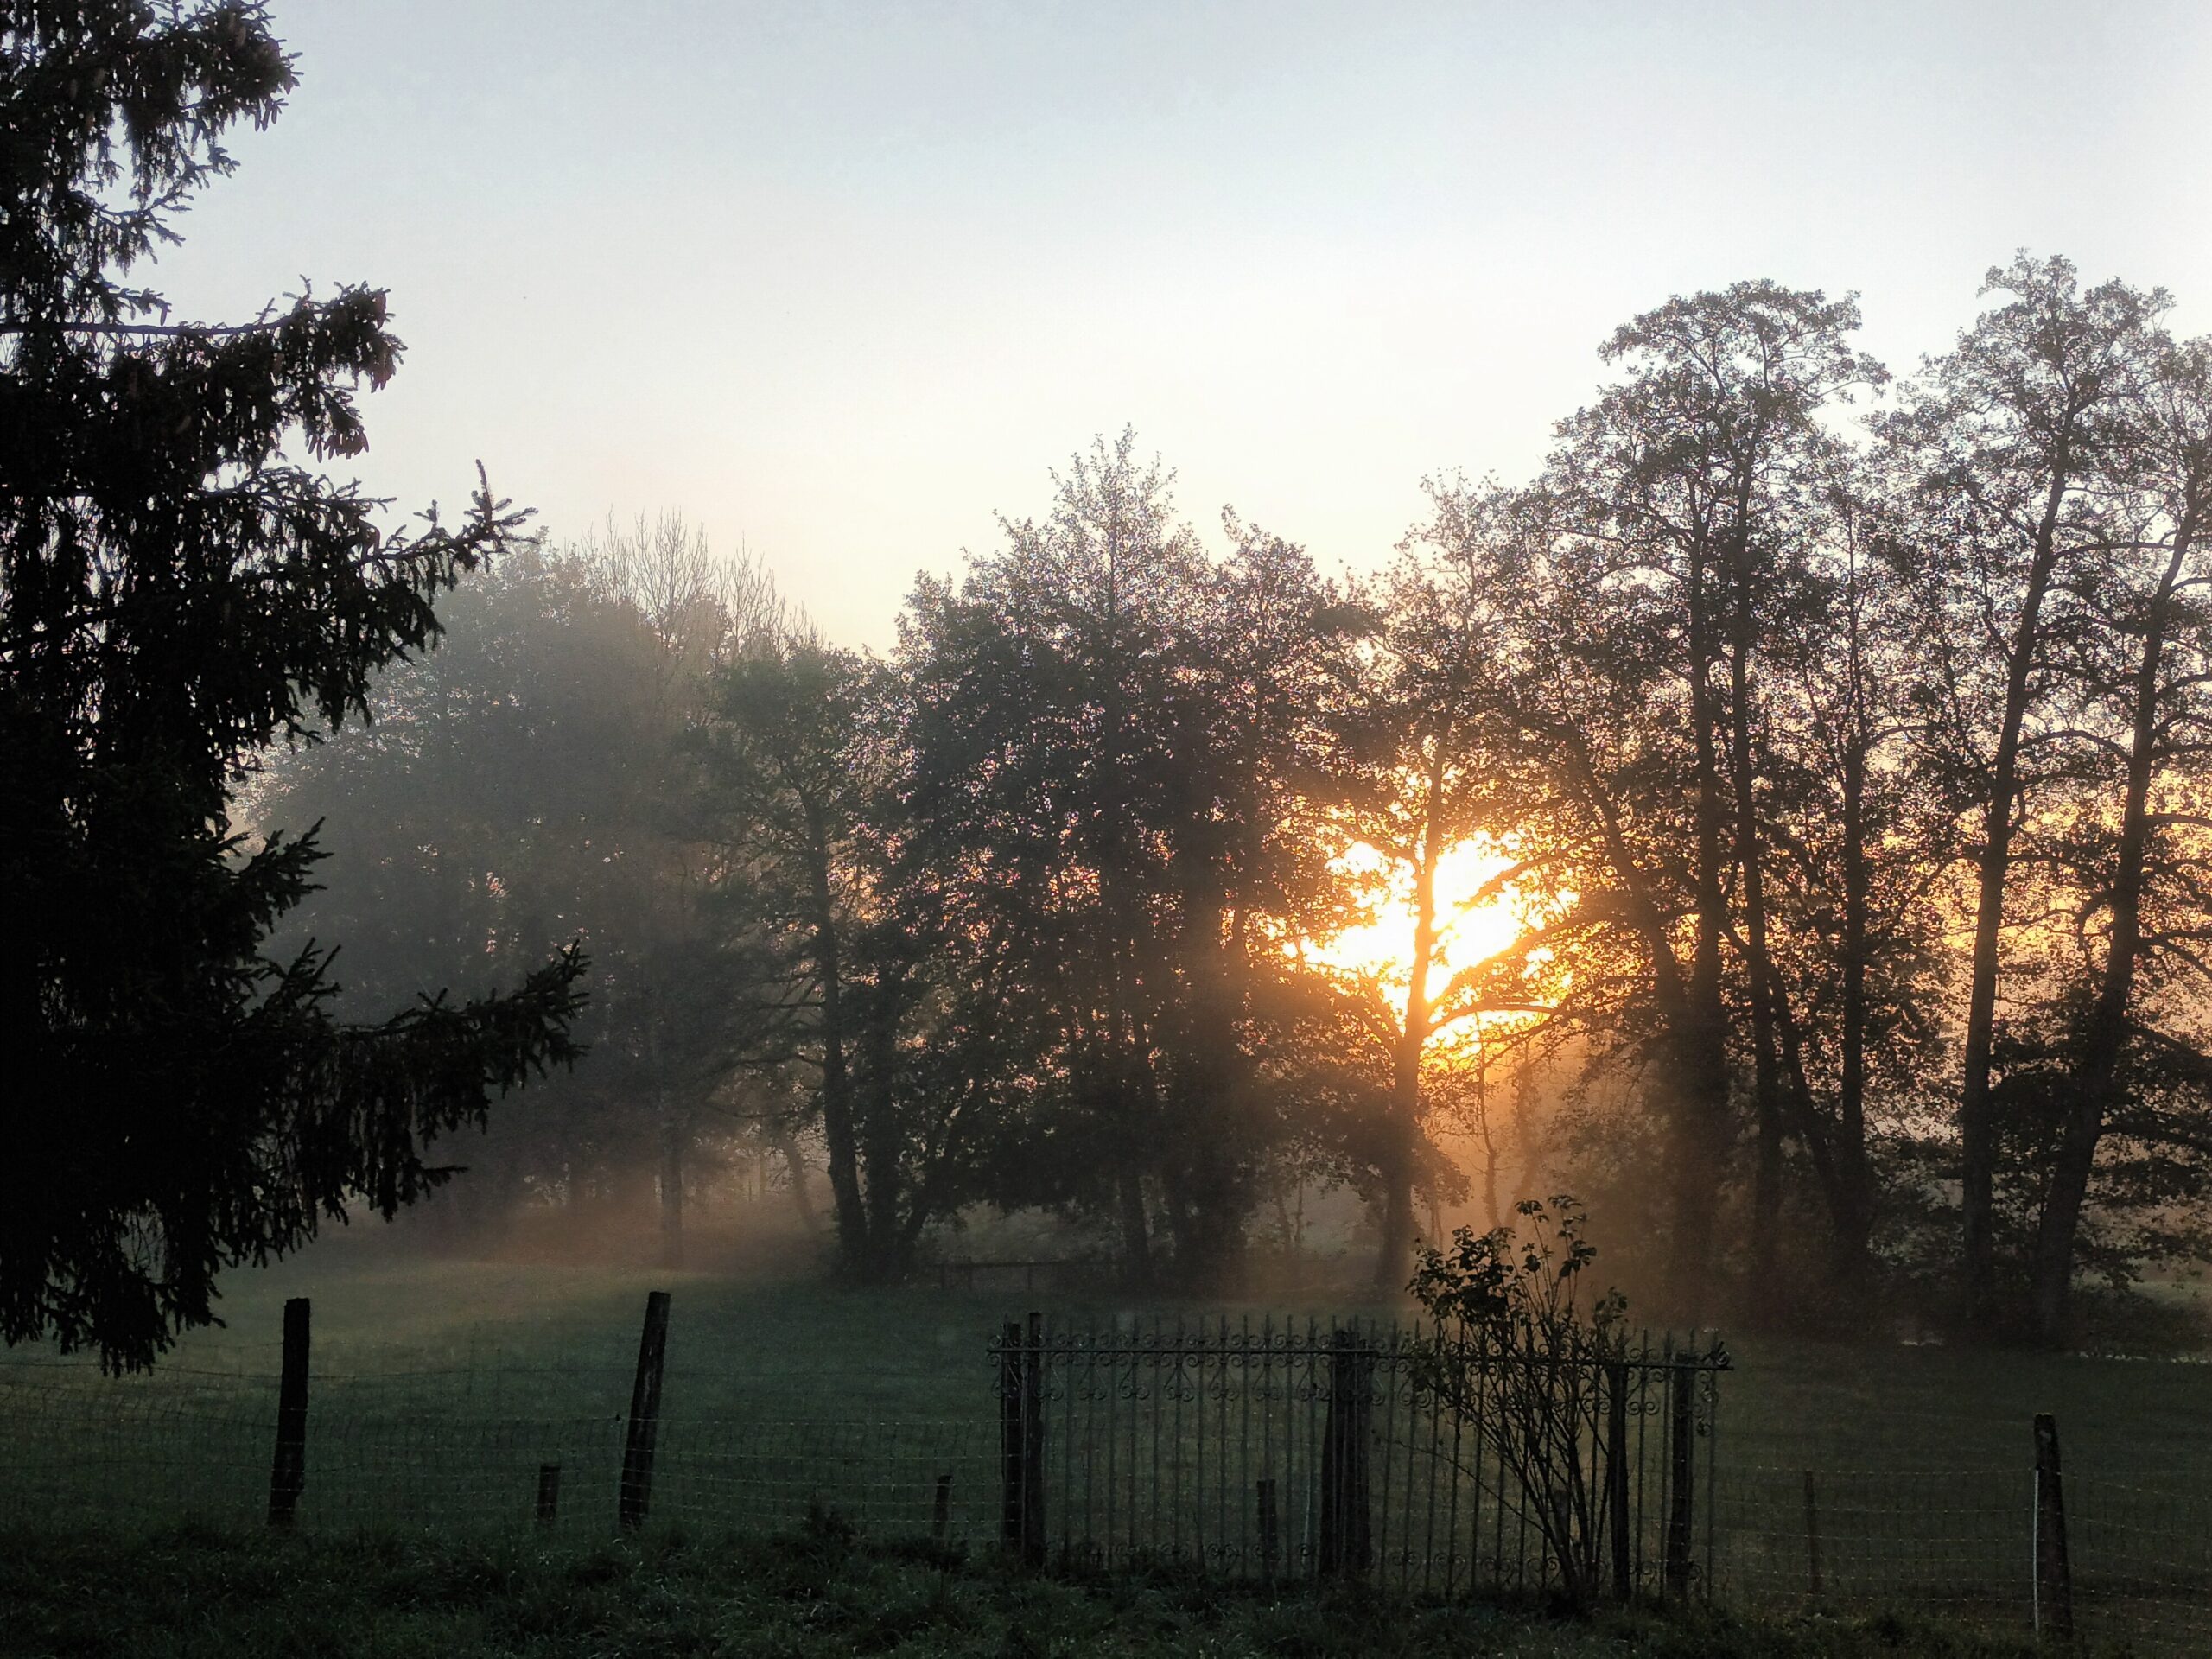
(180, 585)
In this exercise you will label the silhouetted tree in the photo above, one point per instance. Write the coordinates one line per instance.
(2010, 435)
(178, 591)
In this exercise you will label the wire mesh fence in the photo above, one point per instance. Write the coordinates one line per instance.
(1965, 1543)
(98, 1456)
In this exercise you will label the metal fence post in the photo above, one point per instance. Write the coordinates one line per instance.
(288, 1472)
(548, 1493)
(1617, 1471)
(1033, 1444)
(644, 1416)
(1344, 1545)
(1270, 1532)
(1682, 1382)
(2054, 1576)
(1011, 1439)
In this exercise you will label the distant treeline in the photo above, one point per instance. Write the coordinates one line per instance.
(1845, 745)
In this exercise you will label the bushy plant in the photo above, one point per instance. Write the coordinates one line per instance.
(1527, 1359)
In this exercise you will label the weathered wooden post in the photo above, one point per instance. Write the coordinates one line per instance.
(637, 1495)
(1681, 1473)
(1033, 1444)
(1011, 1439)
(288, 1472)
(1812, 1537)
(1345, 1539)
(941, 1512)
(1616, 1472)
(2054, 1575)
(1270, 1532)
(548, 1495)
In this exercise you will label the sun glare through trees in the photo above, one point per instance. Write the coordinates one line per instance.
(1479, 920)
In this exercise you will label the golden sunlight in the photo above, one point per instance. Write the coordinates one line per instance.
(1469, 929)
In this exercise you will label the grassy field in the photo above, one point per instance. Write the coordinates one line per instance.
(441, 1386)
(181, 1595)
(554, 1341)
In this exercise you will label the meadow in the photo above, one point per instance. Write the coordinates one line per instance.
(440, 1388)
(806, 1595)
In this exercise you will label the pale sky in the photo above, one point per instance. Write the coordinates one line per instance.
(841, 280)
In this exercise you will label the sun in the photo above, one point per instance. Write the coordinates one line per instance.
(1470, 928)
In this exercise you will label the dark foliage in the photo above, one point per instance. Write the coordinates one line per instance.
(177, 591)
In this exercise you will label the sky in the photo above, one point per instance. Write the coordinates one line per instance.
(840, 282)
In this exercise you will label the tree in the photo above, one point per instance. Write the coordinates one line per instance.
(1044, 767)
(176, 592)
(787, 804)
(2009, 434)
(1106, 728)
(1520, 1351)
(2139, 660)
(1417, 778)
(1860, 829)
(533, 779)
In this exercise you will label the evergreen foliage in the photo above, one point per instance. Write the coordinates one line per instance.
(180, 585)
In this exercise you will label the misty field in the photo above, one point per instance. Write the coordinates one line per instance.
(440, 1388)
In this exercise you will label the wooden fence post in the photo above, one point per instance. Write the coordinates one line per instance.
(288, 1472)
(1812, 1537)
(1270, 1532)
(1617, 1471)
(644, 1416)
(1345, 1538)
(1681, 1466)
(1033, 1444)
(1011, 1439)
(2054, 1576)
(549, 1493)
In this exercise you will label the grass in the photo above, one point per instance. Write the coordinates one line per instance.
(177, 1595)
(1922, 1454)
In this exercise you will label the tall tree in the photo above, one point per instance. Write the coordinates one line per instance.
(1637, 596)
(179, 588)
(2139, 658)
(2009, 434)
(1418, 779)
(1037, 689)
(533, 781)
(788, 802)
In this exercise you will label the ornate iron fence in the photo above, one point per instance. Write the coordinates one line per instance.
(1285, 1450)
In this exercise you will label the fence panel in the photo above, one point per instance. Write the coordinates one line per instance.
(1292, 1449)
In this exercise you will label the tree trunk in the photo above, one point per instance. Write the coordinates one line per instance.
(1977, 1118)
(1700, 1153)
(881, 1140)
(1136, 1234)
(1766, 1078)
(2097, 1073)
(838, 1129)
(795, 1169)
(1402, 1135)
(1490, 1209)
(1854, 1217)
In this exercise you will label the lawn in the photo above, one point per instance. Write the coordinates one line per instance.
(440, 1388)
(180, 1595)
